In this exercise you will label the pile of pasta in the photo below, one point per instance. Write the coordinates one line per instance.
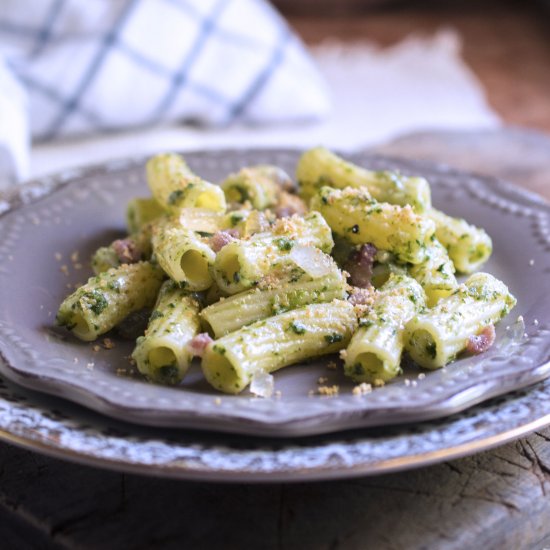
(251, 274)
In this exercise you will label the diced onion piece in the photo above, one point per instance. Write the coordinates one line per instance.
(314, 262)
(262, 384)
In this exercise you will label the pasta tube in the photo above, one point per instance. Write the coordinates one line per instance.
(203, 221)
(108, 298)
(141, 211)
(162, 354)
(242, 264)
(436, 337)
(352, 214)
(435, 274)
(468, 246)
(260, 185)
(374, 352)
(319, 167)
(184, 256)
(175, 186)
(266, 346)
(230, 314)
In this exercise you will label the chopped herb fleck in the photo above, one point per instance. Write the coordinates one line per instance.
(333, 338)
(284, 244)
(431, 349)
(297, 327)
(175, 196)
(219, 349)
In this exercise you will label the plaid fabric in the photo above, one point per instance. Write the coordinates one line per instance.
(97, 66)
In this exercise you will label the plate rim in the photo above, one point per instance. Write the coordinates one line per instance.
(323, 473)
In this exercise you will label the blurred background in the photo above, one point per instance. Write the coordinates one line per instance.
(85, 82)
(506, 43)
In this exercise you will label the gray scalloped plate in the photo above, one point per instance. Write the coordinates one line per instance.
(78, 211)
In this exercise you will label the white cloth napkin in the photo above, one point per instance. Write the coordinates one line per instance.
(421, 83)
(72, 67)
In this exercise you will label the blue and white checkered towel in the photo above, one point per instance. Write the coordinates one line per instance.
(71, 67)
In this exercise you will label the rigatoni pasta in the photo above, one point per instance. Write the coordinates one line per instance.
(162, 354)
(175, 186)
(437, 336)
(234, 312)
(319, 167)
(375, 349)
(105, 300)
(355, 216)
(248, 277)
(266, 346)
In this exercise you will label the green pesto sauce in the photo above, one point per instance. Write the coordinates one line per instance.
(96, 301)
(156, 315)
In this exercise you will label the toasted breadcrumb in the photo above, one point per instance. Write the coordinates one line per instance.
(343, 354)
(217, 401)
(64, 269)
(322, 380)
(108, 343)
(329, 390)
(96, 348)
(74, 257)
(90, 366)
(362, 389)
(378, 383)
(332, 365)
(421, 376)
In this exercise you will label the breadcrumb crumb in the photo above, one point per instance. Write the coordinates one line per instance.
(108, 343)
(322, 380)
(378, 383)
(329, 390)
(362, 389)
(96, 348)
(332, 365)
